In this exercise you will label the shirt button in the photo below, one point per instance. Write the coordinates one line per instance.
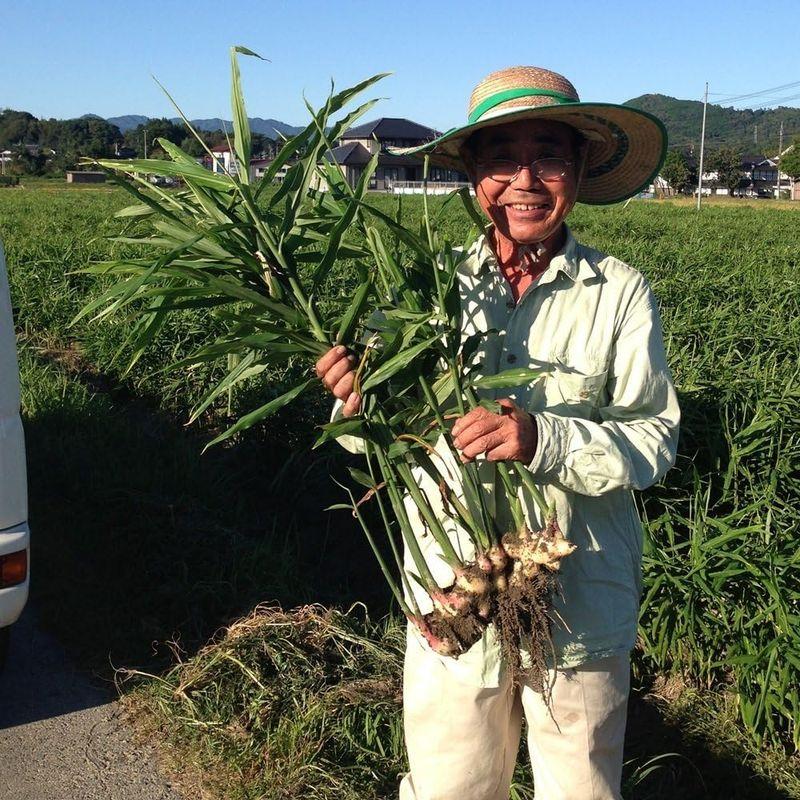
(511, 358)
(510, 304)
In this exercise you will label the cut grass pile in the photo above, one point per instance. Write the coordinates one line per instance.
(288, 705)
(306, 704)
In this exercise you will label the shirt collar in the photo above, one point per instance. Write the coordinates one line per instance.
(568, 260)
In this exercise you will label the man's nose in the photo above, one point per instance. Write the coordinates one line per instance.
(527, 177)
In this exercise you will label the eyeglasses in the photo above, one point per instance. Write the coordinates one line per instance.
(546, 169)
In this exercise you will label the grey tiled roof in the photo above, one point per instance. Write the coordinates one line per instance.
(391, 128)
(351, 154)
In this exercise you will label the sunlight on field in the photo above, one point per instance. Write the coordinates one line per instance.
(195, 542)
(764, 204)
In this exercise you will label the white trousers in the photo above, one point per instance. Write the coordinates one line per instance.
(462, 740)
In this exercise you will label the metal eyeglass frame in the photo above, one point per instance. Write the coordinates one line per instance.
(531, 165)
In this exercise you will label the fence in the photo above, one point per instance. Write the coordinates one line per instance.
(433, 187)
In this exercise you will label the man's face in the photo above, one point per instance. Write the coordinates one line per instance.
(528, 209)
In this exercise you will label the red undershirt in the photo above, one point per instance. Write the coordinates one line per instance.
(521, 275)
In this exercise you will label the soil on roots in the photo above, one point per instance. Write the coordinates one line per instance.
(462, 630)
(522, 620)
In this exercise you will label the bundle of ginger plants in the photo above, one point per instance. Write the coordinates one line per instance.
(256, 263)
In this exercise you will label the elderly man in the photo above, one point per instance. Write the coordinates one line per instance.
(604, 422)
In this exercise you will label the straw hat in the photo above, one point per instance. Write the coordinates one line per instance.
(626, 146)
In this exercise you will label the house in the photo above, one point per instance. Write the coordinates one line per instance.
(8, 157)
(759, 178)
(358, 145)
(259, 166)
(353, 152)
(224, 160)
(85, 176)
(120, 151)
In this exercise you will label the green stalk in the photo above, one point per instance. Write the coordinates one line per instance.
(425, 574)
(384, 567)
(505, 474)
(471, 468)
(513, 494)
(437, 531)
(421, 501)
(465, 517)
(387, 525)
(533, 489)
(480, 540)
(286, 266)
(427, 218)
(307, 306)
(387, 265)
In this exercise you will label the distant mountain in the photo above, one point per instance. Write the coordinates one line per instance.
(128, 121)
(725, 127)
(266, 127)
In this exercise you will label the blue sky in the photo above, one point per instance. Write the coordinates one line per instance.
(63, 59)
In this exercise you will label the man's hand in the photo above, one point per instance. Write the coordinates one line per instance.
(509, 436)
(337, 370)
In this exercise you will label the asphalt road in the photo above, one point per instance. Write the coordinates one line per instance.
(62, 737)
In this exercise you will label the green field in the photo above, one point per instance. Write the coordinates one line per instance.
(137, 538)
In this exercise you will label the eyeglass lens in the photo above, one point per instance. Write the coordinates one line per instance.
(547, 169)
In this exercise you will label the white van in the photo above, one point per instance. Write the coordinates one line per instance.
(14, 536)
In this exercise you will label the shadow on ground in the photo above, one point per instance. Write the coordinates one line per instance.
(684, 764)
(141, 540)
(39, 680)
(138, 538)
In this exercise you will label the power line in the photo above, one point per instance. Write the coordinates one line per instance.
(777, 100)
(731, 98)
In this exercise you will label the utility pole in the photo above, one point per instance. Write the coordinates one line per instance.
(778, 164)
(702, 150)
(145, 142)
(755, 136)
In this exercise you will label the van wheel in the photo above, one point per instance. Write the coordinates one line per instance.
(4, 637)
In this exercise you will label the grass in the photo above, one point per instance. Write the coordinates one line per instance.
(137, 538)
(285, 705)
(307, 704)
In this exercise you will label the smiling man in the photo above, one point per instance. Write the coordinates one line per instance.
(602, 423)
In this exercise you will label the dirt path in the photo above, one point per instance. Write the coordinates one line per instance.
(61, 735)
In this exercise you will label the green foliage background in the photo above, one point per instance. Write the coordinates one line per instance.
(110, 469)
(725, 126)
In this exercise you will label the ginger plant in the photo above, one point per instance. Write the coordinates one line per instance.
(257, 263)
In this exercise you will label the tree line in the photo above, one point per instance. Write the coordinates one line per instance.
(680, 168)
(52, 146)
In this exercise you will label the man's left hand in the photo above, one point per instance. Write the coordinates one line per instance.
(508, 436)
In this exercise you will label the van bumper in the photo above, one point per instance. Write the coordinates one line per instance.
(13, 598)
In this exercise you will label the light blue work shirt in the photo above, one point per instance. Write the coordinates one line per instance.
(607, 418)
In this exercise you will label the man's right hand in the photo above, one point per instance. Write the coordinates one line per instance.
(337, 371)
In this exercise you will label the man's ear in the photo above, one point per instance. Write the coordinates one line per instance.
(469, 163)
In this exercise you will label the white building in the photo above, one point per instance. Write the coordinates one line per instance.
(224, 160)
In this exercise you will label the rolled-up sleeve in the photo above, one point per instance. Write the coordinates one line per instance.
(635, 441)
(353, 444)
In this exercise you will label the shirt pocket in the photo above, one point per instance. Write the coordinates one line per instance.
(575, 394)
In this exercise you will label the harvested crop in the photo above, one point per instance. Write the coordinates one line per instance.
(258, 267)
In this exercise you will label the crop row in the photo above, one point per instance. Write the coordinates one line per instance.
(721, 591)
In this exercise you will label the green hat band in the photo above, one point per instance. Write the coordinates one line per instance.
(511, 94)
